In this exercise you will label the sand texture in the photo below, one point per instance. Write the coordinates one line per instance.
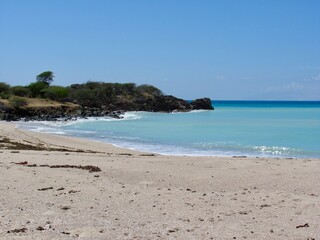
(54, 187)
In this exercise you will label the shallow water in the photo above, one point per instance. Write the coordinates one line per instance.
(252, 128)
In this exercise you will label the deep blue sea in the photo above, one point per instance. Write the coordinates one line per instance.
(251, 128)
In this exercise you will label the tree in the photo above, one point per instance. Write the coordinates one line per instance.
(36, 87)
(45, 77)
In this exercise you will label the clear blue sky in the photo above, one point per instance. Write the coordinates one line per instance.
(240, 49)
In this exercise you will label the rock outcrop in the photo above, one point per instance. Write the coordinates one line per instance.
(115, 110)
(202, 103)
(39, 113)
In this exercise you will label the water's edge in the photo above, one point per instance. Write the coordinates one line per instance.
(251, 128)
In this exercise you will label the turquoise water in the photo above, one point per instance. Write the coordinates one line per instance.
(252, 128)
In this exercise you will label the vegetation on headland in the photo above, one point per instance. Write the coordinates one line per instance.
(102, 97)
(92, 94)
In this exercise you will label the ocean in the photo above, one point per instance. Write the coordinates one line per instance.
(234, 128)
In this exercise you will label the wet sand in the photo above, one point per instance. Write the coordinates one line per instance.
(54, 187)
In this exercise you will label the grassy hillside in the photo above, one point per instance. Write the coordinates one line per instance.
(35, 103)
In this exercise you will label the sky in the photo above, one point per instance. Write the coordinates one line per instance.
(226, 49)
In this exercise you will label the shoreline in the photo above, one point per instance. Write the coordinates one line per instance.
(166, 150)
(139, 195)
(118, 148)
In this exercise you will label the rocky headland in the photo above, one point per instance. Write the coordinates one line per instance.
(42, 101)
(52, 111)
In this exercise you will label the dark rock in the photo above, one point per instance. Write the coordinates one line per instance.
(160, 103)
(18, 230)
(202, 103)
(169, 104)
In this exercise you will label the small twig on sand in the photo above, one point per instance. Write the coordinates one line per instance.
(304, 225)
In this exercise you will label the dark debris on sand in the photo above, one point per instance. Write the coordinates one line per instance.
(6, 143)
(17, 230)
(89, 168)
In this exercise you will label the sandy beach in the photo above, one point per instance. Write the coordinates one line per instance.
(55, 187)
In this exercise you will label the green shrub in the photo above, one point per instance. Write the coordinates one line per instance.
(96, 94)
(92, 85)
(36, 87)
(4, 87)
(17, 102)
(149, 89)
(85, 97)
(20, 91)
(55, 92)
(5, 95)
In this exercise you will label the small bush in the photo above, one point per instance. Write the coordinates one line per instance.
(36, 87)
(17, 102)
(5, 95)
(149, 89)
(4, 88)
(20, 91)
(85, 97)
(55, 92)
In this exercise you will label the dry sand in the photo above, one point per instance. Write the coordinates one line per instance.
(145, 196)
